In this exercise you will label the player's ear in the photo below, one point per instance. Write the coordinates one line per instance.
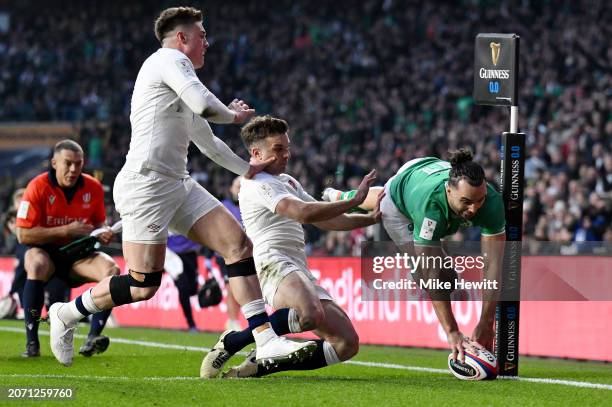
(53, 163)
(182, 38)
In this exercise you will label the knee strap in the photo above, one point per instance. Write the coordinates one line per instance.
(242, 268)
(120, 285)
(152, 279)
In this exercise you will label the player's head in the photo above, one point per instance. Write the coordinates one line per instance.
(67, 162)
(265, 137)
(181, 28)
(466, 189)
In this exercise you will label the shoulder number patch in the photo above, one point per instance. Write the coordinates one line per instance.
(22, 213)
(427, 229)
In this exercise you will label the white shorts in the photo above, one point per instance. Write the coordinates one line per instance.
(150, 203)
(398, 226)
(273, 266)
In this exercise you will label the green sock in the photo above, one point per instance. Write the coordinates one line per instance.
(345, 196)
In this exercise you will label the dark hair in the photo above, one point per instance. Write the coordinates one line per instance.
(462, 166)
(172, 17)
(67, 145)
(261, 127)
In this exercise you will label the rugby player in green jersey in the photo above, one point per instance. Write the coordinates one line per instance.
(429, 199)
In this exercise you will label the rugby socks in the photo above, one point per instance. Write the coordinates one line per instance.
(78, 308)
(33, 299)
(281, 324)
(98, 321)
(324, 355)
(255, 313)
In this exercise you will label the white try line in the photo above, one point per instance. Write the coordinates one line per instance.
(350, 362)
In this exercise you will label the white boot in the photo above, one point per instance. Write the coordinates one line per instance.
(61, 336)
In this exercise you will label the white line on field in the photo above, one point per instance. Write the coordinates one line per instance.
(350, 362)
(108, 378)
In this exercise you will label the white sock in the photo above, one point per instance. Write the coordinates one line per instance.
(89, 303)
(331, 357)
(261, 338)
(69, 313)
(253, 308)
(294, 321)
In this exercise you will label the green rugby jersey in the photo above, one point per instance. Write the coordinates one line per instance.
(419, 193)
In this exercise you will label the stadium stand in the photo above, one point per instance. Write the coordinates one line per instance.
(364, 84)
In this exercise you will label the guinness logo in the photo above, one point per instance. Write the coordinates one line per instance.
(513, 205)
(495, 50)
(509, 366)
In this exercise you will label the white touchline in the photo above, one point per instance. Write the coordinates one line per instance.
(350, 362)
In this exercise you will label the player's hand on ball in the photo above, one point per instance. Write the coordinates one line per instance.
(258, 166)
(242, 110)
(483, 336)
(458, 342)
(364, 188)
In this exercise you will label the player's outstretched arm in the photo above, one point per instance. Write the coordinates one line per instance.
(493, 246)
(333, 195)
(440, 299)
(215, 149)
(312, 212)
(354, 221)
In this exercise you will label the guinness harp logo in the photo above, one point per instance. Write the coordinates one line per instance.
(513, 205)
(495, 49)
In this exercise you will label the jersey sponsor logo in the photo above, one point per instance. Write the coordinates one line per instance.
(22, 213)
(427, 229)
(86, 197)
(292, 184)
(59, 221)
(51, 199)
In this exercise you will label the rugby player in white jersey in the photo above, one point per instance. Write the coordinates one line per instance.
(274, 206)
(154, 192)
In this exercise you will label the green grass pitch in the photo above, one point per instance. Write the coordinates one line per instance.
(162, 370)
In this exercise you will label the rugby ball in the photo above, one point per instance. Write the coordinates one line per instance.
(479, 365)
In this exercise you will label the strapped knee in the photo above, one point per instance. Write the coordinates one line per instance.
(242, 268)
(120, 285)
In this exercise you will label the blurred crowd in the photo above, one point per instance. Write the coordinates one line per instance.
(369, 84)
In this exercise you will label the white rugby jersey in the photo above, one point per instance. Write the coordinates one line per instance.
(258, 198)
(163, 124)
